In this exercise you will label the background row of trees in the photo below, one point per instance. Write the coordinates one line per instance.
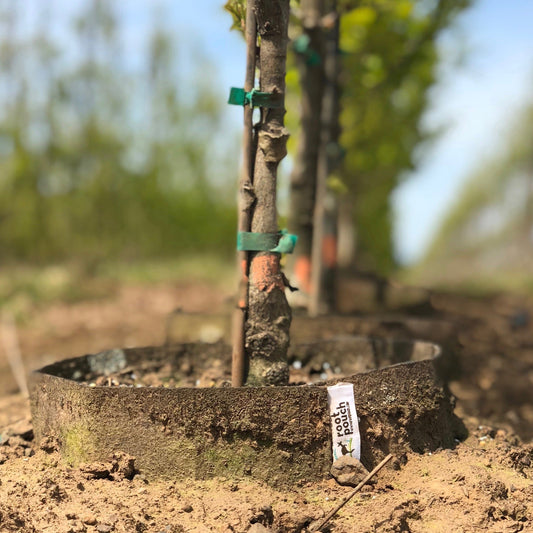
(100, 159)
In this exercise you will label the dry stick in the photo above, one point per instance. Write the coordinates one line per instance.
(353, 493)
(11, 346)
(238, 365)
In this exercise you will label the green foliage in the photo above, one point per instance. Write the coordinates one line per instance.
(390, 56)
(237, 10)
(100, 160)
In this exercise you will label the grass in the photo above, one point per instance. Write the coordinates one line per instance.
(469, 282)
(204, 268)
(23, 287)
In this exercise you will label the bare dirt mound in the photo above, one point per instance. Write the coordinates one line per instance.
(484, 484)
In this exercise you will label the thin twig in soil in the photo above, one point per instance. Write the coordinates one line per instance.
(352, 494)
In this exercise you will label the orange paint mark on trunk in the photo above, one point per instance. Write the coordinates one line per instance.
(244, 268)
(302, 271)
(265, 273)
(329, 251)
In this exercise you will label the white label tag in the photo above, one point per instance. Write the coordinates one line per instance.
(344, 424)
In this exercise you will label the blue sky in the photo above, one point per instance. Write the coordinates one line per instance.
(475, 101)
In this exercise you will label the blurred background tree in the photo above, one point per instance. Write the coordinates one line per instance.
(104, 160)
(390, 55)
(488, 233)
(390, 60)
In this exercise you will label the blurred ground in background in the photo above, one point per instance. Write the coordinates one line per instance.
(62, 312)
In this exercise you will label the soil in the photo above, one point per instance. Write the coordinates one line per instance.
(483, 484)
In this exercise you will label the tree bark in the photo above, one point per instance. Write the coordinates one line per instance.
(347, 235)
(303, 176)
(269, 314)
(324, 255)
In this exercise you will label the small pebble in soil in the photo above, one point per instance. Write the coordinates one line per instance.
(95, 470)
(187, 508)
(348, 470)
(186, 368)
(89, 519)
(526, 461)
(501, 434)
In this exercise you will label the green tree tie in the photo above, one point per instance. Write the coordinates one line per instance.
(281, 243)
(255, 98)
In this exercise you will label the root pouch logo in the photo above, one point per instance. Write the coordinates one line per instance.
(344, 425)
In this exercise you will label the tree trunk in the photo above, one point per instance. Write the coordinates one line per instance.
(303, 176)
(269, 314)
(346, 233)
(324, 254)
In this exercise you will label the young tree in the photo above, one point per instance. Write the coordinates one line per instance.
(309, 56)
(267, 315)
(381, 76)
(313, 209)
(325, 218)
(390, 56)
